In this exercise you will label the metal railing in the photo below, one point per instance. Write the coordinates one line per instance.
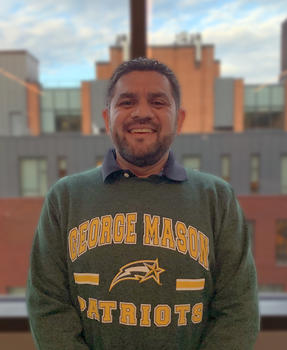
(272, 306)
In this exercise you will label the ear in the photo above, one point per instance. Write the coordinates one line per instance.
(106, 117)
(180, 120)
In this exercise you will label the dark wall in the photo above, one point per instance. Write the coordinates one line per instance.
(83, 152)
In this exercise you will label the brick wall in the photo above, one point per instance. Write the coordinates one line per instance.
(264, 211)
(18, 220)
(19, 217)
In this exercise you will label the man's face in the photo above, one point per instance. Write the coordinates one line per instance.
(142, 118)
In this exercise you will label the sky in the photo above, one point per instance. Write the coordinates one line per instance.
(69, 36)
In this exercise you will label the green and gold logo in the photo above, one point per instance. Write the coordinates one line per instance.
(140, 270)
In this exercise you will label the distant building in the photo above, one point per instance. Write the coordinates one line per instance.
(235, 131)
(19, 94)
(283, 75)
(212, 103)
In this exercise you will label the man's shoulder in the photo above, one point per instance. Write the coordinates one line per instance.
(78, 181)
(206, 181)
(202, 177)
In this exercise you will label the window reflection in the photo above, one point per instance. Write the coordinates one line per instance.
(33, 176)
(192, 162)
(284, 174)
(281, 241)
(254, 173)
(225, 167)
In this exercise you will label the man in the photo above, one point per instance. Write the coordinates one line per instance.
(141, 253)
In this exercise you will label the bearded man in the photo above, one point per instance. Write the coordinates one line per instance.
(141, 253)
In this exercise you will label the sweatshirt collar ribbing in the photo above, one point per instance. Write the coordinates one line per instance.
(172, 169)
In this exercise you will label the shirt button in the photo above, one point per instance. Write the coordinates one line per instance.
(126, 175)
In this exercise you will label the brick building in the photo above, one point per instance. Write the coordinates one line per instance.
(212, 103)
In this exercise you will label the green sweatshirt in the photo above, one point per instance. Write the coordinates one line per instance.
(142, 263)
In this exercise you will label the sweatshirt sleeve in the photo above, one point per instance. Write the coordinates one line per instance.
(233, 311)
(54, 321)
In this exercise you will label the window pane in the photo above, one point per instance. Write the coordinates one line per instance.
(60, 98)
(47, 99)
(16, 291)
(68, 122)
(192, 162)
(273, 288)
(281, 241)
(277, 97)
(74, 98)
(251, 230)
(254, 173)
(263, 97)
(62, 167)
(42, 174)
(33, 176)
(225, 167)
(48, 121)
(264, 119)
(99, 161)
(249, 96)
(284, 174)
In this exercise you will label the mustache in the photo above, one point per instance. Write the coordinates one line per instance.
(143, 121)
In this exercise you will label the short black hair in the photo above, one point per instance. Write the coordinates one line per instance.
(143, 64)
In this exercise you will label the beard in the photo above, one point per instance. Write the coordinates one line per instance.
(144, 156)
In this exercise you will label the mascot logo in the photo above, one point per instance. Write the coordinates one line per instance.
(141, 270)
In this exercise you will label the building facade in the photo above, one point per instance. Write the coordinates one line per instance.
(283, 74)
(232, 130)
(212, 103)
(254, 162)
(19, 94)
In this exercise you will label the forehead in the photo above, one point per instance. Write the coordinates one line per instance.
(143, 82)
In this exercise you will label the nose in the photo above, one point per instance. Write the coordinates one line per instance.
(142, 110)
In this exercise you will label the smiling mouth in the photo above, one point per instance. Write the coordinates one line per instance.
(141, 131)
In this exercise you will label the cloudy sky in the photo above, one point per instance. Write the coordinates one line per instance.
(68, 36)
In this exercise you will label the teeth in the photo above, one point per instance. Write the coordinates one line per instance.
(141, 131)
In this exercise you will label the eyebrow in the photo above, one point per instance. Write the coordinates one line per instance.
(158, 94)
(150, 95)
(127, 95)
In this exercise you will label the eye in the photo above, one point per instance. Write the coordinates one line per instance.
(126, 103)
(159, 103)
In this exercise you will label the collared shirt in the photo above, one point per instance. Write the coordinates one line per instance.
(172, 169)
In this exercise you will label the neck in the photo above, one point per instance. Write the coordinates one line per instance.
(142, 171)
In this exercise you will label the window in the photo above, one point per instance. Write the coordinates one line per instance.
(16, 291)
(62, 167)
(33, 177)
(99, 161)
(264, 106)
(68, 122)
(251, 230)
(60, 98)
(192, 162)
(263, 119)
(254, 173)
(281, 241)
(274, 288)
(225, 167)
(61, 110)
(284, 174)
(17, 124)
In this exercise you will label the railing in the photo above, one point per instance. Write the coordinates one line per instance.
(273, 312)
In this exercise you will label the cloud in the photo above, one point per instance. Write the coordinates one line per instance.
(67, 32)
(246, 36)
(74, 33)
(248, 46)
